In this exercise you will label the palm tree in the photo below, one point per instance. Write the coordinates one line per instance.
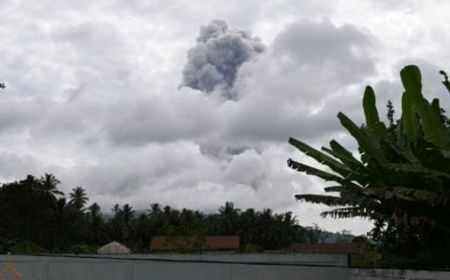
(247, 221)
(78, 198)
(156, 219)
(95, 222)
(95, 210)
(116, 209)
(154, 210)
(61, 220)
(126, 222)
(127, 214)
(140, 233)
(229, 218)
(114, 224)
(49, 183)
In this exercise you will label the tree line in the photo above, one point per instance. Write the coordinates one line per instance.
(35, 216)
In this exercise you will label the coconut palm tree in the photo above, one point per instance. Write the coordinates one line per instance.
(126, 221)
(50, 183)
(78, 198)
(95, 223)
(228, 218)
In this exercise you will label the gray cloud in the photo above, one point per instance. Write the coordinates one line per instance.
(18, 166)
(15, 114)
(215, 60)
(158, 119)
(322, 44)
(180, 174)
(299, 85)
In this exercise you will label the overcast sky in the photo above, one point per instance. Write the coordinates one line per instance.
(191, 103)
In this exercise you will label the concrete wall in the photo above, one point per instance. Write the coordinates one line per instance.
(220, 267)
(304, 259)
(397, 274)
(226, 267)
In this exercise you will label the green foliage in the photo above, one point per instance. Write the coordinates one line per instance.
(446, 83)
(370, 110)
(27, 248)
(28, 211)
(34, 209)
(432, 127)
(78, 197)
(82, 249)
(401, 178)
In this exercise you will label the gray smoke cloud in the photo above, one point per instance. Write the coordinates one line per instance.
(213, 63)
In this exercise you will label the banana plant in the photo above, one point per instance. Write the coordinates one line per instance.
(406, 169)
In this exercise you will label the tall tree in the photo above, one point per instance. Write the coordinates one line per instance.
(228, 218)
(95, 223)
(50, 183)
(78, 198)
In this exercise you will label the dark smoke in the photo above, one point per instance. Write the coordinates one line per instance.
(214, 62)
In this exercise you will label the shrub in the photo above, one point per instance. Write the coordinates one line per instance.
(82, 249)
(27, 248)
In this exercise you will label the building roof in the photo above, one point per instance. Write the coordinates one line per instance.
(338, 248)
(113, 248)
(212, 242)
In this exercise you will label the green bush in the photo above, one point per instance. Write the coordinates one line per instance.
(82, 249)
(27, 248)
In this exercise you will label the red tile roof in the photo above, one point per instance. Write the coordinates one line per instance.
(213, 242)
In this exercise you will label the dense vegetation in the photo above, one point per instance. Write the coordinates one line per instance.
(400, 180)
(36, 217)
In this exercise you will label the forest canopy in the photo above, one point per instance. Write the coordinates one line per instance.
(37, 217)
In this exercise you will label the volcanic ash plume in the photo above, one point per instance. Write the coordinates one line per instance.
(214, 61)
